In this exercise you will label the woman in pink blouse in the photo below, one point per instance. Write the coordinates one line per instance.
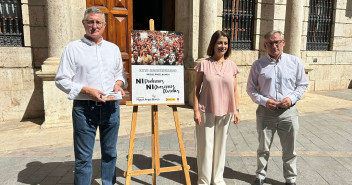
(215, 103)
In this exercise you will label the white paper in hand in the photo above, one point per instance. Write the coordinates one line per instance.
(111, 96)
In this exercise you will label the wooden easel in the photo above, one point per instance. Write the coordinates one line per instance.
(156, 169)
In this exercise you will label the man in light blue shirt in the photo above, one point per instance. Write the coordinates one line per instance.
(276, 82)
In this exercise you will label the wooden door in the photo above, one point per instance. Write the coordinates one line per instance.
(119, 20)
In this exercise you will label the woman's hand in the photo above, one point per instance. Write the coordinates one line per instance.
(197, 118)
(236, 118)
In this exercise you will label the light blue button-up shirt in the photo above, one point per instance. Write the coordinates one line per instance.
(269, 79)
(84, 63)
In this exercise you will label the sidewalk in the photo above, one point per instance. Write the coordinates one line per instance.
(30, 155)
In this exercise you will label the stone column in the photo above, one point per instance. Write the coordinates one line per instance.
(293, 30)
(60, 30)
(293, 27)
(207, 25)
(59, 26)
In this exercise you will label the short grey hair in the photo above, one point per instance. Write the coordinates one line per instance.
(270, 33)
(93, 10)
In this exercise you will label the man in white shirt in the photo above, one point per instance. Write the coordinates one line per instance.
(88, 69)
(276, 82)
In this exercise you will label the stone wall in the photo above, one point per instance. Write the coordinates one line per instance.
(21, 90)
(35, 30)
(331, 70)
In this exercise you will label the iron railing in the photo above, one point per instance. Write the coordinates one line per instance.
(238, 22)
(11, 29)
(319, 25)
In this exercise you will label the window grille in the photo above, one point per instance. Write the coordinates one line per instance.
(11, 29)
(238, 22)
(319, 25)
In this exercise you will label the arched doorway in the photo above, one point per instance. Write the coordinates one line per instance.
(162, 11)
(119, 23)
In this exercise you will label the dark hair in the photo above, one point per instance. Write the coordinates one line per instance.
(216, 35)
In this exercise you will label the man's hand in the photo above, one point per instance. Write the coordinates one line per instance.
(285, 103)
(271, 104)
(94, 93)
(117, 88)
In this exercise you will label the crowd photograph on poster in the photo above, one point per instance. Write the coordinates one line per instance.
(156, 47)
(157, 67)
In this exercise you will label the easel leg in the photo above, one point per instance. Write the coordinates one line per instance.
(182, 147)
(130, 152)
(155, 171)
(155, 143)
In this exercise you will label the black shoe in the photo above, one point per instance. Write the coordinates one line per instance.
(258, 182)
(290, 183)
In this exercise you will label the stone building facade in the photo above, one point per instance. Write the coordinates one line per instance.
(26, 73)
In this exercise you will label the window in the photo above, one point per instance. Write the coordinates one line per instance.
(319, 25)
(11, 29)
(238, 22)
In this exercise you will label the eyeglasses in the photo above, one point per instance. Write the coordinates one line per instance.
(91, 23)
(274, 42)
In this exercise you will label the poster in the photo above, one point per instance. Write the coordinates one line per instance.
(157, 67)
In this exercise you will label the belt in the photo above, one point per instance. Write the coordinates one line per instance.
(280, 108)
(94, 103)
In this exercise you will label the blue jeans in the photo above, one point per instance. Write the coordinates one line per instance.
(87, 117)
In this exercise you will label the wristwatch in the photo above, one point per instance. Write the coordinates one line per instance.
(237, 110)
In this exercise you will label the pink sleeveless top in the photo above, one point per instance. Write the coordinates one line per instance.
(217, 95)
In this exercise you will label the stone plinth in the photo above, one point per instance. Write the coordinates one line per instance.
(56, 105)
(190, 77)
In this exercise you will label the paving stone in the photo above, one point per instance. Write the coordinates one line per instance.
(324, 147)
(307, 173)
(322, 165)
(50, 180)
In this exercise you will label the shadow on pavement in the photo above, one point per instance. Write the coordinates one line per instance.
(144, 162)
(63, 172)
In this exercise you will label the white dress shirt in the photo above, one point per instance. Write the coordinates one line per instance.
(84, 63)
(277, 80)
